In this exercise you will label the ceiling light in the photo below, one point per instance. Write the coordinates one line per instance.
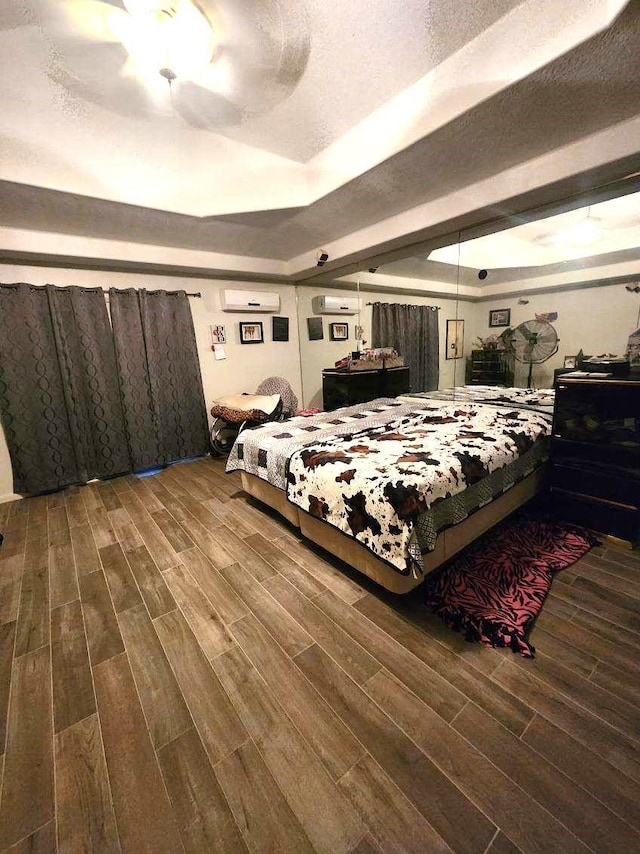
(168, 37)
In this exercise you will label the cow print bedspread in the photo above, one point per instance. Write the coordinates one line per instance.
(373, 484)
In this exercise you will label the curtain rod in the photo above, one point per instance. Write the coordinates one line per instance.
(408, 304)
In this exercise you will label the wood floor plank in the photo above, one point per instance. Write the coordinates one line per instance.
(286, 631)
(63, 582)
(435, 691)
(452, 668)
(618, 654)
(328, 820)
(122, 586)
(10, 584)
(7, 641)
(33, 615)
(273, 551)
(242, 553)
(218, 724)
(140, 487)
(55, 500)
(324, 731)
(270, 525)
(76, 510)
(571, 805)
(134, 507)
(502, 845)
(218, 591)
(103, 633)
(263, 815)
(353, 659)
(206, 623)
(159, 547)
(628, 601)
(621, 683)
(177, 537)
(452, 815)
(90, 497)
(593, 601)
(227, 517)
(164, 707)
(83, 798)
(27, 790)
(103, 533)
(142, 809)
(336, 580)
(73, 697)
(578, 660)
(58, 525)
(613, 576)
(125, 530)
(204, 819)
(586, 768)
(208, 543)
(151, 584)
(108, 495)
(610, 708)
(199, 512)
(606, 629)
(395, 823)
(611, 744)
(42, 841)
(84, 550)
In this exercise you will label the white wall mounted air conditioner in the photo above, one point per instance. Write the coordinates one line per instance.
(336, 305)
(254, 301)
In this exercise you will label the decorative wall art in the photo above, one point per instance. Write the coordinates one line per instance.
(500, 317)
(218, 335)
(455, 339)
(339, 331)
(314, 325)
(251, 333)
(280, 328)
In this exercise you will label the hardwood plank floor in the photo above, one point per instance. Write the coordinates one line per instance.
(181, 671)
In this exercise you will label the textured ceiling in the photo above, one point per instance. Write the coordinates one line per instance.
(360, 56)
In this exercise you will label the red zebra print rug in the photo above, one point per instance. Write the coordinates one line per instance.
(493, 591)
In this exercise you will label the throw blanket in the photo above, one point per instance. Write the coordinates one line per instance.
(265, 450)
(374, 484)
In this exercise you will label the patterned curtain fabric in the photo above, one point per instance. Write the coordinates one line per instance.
(59, 394)
(160, 376)
(413, 331)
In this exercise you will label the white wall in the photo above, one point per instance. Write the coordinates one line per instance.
(246, 364)
(597, 320)
(316, 355)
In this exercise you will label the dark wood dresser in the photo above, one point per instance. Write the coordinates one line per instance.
(489, 367)
(595, 454)
(344, 388)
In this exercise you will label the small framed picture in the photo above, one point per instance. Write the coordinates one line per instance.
(339, 331)
(500, 317)
(218, 335)
(314, 325)
(569, 362)
(251, 333)
(280, 328)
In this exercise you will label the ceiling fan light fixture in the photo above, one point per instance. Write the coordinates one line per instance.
(173, 39)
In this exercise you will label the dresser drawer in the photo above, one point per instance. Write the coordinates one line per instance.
(596, 482)
(595, 513)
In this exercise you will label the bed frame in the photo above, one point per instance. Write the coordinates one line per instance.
(449, 542)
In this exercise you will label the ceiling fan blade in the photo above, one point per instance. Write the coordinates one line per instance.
(88, 19)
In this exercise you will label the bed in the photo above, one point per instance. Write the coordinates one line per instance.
(395, 487)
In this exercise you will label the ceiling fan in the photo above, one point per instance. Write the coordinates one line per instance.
(214, 62)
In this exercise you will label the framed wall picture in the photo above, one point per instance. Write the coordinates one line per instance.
(455, 339)
(339, 331)
(314, 325)
(280, 328)
(500, 317)
(251, 332)
(569, 362)
(218, 335)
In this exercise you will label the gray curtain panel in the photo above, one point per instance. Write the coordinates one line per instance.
(59, 394)
(413, 331)
(160, 376)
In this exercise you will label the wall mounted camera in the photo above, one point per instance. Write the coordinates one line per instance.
(482, 274)
(321, 258)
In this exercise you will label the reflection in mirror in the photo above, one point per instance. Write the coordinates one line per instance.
(390, 291)
(549, 291)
